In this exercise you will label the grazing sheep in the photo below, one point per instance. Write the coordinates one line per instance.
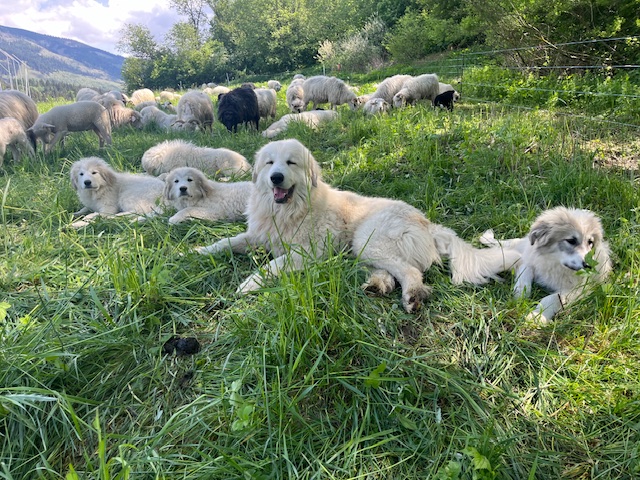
(193, 195)
(356, 103)
(446, 99)
(195, 111)
(276, 85)
(267, 102)
(86, 94)
(295, 95)
(322, 89)
(376, 105)
(312, 118)
(238, 106)
(141, 95)
(421, 87)
(390, 86)
(167, 96)
(120, 116)
(20, 106)
(153, 115)
(216, 91)
(52, 126)
(14, 137)
(170, 154)
(299, 76)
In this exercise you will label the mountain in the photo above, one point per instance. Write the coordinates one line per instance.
(56, 58)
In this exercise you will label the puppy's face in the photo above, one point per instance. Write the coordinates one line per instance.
(90, 174)
(286, 169)
(567, 236)
(184, 183)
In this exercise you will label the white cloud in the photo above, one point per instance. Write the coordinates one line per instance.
(94, 22)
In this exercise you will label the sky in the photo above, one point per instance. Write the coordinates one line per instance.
(96, 23)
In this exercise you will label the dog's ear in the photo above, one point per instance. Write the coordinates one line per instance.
(107, 173)
(314, 170)
(73, 174)
(204, 185)
(168, 190)
(539, 233)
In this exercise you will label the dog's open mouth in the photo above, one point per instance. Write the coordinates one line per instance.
(282, 195)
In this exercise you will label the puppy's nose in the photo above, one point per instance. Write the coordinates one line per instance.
(585, 265)
(87, 183)
(277, 178)
(183, 188)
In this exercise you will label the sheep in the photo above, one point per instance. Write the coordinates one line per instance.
(376, 105)
(356, 103)
(299, 76)
(276, 85)
(86, 94)
(167, 96)
(152, 114)
(238, 106)
(170, 154)
(195, 111)
(390, 86)
(217, 90)
(14, 137)
(312, 119)
(20, 106)
(446, 99)
(322, 89)
(295, 95)
(52, 126)
(421, 87)
(267, 102)
(141, 95)
(119, 115)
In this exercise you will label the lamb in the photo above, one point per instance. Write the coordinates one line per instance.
(153, 115)
(322, 89)
(267, 102)
(356, 103)
(20, 106)
(390, 86)
(119, 115)
(312, 118)
(52, 126)
(424, 86)
(195, 111)
(295, 95)
(217, 90)
(376, 105)
(170, 154)
(446, 99)
(238, 106)
(14, 137)
(86, 94)
(141, 95)
(167, 96)
(276, 85)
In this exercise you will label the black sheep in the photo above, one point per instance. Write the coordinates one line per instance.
(238, 106)
(446, 99)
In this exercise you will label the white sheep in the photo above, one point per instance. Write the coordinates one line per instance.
(119, 115)
(141, 95)
(14, 137)
(322, 89)
(390, 86)
(52, 126)
(215, 91)
(299, 76)
(167, 96)
(359, 101)
(18, 105)
(276, 85)
(312, 118)
(295, 95)
(376, 105)
(153, 115)
(421, 87)
(170, 154)
(195, 111)
(267, 102)
(86, 94)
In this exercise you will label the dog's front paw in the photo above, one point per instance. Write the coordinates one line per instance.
(251, 284)
(79, 224)
(412, 299)
(537, 317)
(488, 238)
(205, 250)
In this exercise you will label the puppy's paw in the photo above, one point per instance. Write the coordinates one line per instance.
(537, 318)
(79, 224)
(379, 283)
(412, 299)
(488, 238)
(251, 284)
(204, 250)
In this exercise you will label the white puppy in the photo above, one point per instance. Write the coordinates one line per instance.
(294, 214)
(565, 252)
(190, 192)
(106, 192)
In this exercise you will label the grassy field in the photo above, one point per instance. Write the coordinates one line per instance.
(311, 378)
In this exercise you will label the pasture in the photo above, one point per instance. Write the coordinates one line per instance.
(312, 378)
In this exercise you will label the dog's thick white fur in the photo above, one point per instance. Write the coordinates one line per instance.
(106, 192)
(293, 213)
(190, 192)
(555, 256)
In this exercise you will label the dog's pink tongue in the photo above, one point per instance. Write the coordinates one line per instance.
(279, 194)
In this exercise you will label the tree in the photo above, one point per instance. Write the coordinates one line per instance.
(195, 12)
(136, 40)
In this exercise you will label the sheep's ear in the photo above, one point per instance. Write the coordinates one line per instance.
(539, 233)
(48, 126)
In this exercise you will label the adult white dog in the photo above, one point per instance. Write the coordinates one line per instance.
(563, 247)
(106, 192)
(190, 192)
(293, 213)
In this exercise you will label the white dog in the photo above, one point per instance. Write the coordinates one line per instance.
(292, 212)
(563, 246)
(106, 192)
(190, 192)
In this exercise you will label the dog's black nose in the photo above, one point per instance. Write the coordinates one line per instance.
(585, 265)
(183, 188)
(277, 178)
(87, 183)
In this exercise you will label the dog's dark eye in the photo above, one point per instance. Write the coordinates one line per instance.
(189, 179)
(573, 241)
(176, 181)
(291, 162)
(270, 162)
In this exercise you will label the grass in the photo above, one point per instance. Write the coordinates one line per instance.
(311, 378)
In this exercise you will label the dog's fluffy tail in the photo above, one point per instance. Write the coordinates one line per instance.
(470, 264)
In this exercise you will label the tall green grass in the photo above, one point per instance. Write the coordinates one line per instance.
(311, 377)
